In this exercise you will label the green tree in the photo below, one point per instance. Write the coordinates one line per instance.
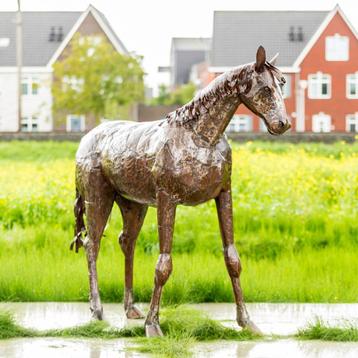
(93, 78)
(179, 96)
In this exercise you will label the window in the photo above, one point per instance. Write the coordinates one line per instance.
(262, 125)
(337, 48)
(30, 86)
(75, 123)
(240, 123)
(24, 88)
(29, 124)
(352, 85)
(321, 123)
(4, 42)
(352, 122)
(286, 89)
(319, 86)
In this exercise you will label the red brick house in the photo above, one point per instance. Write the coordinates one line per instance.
(318, 55)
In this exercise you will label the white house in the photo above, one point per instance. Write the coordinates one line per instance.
(45, 37)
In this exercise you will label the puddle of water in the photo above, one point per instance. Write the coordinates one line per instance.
(272, 318)
(282, 319)
(97, 348)
(50, 315)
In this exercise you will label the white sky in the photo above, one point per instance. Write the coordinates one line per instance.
(147, 26)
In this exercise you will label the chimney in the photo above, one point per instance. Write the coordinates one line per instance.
(300, 34)
(291, 34)
(60, 34)
(52, 35)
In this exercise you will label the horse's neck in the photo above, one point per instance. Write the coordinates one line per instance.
(211, 110)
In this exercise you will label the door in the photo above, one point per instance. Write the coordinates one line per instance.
(321, 123)
(75, 123)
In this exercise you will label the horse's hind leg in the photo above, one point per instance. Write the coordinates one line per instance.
(98, 198)
(133, 216)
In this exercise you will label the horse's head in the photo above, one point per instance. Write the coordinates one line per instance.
(262, 93)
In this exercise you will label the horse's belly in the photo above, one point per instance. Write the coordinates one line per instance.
(195, 185)
(132, 178)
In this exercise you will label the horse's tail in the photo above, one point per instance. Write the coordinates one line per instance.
(80, 228)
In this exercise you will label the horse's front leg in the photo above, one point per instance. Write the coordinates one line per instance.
(166, 217)
(232, 260)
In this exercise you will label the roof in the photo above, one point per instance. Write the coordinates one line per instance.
(191, 43)
(37, 49)
(237, 35)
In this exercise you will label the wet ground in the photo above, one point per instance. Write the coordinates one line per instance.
(282, 319)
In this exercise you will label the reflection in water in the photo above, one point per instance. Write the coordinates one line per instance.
(68, 348)
(92, 348)
(287, 348)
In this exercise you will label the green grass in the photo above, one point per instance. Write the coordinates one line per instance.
(319, 330)
(182, 327)
(10, 329)
(44, 274)
(295, 223)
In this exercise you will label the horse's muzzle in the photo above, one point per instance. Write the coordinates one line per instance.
(279, 127)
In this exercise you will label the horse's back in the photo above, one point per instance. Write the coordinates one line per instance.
(122, 154)
(116, 136)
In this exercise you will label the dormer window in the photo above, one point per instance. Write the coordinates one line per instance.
(337, 48)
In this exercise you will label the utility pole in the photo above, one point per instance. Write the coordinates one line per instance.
(19, 62)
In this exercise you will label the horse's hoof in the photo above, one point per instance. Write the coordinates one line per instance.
(134, 313)
(97, 313)
(153, 330)
(251, 326)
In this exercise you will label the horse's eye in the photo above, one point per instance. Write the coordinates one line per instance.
(267, 89)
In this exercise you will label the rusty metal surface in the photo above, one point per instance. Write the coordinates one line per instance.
(182, 159)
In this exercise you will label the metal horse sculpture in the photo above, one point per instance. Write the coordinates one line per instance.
(182, 159)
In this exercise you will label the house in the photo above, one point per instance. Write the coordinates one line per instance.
(186, 52)
(318, 54)
(46, 35)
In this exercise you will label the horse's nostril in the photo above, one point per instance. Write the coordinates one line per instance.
(281, 124)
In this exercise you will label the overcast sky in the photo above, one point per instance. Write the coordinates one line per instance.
(147, 26)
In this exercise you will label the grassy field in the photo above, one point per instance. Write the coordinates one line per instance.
(296, 226)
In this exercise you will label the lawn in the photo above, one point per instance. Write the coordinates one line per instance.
(296, 228)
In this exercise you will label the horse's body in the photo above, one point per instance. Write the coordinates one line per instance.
(182, 159)
(139, 159)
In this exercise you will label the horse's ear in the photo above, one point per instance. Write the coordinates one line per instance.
(260, 59)
(273, 60)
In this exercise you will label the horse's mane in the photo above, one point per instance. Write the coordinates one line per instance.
(220, 87)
